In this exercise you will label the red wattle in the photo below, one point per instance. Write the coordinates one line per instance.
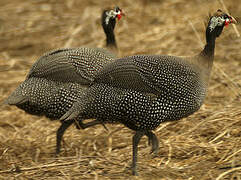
(226, 23)
(118, 16)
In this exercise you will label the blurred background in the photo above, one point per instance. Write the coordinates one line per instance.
(206, 145)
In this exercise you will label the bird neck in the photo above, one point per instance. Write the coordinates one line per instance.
(207, 54)
(110, 38)
(209, 48)
(108, 25)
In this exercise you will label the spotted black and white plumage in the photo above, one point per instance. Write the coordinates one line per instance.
(41, 96)
(78, 65)
(160, 88)
(143, 91)
(59, 77)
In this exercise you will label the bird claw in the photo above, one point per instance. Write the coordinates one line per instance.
(154, 151)
(133, 170)
(153, 142)
(154, 148)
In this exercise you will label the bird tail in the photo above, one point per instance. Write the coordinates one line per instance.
(14, 99)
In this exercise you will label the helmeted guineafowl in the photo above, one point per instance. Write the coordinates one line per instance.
(143, 91)
(109, 29)
(56, 79)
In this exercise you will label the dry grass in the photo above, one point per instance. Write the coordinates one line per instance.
(206, 145)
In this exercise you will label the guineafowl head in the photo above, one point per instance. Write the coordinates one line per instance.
(109, 18)
(217, 23)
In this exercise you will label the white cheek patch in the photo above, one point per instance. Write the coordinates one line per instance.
(216, 21)
(227, 22)
(110, 14)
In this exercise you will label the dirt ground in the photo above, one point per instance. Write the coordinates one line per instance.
(206, 145)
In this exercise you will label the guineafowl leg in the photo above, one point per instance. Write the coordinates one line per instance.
(135, 141)
(60, 133)
(152, 140)
(89, 124)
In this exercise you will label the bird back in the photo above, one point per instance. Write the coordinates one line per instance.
(166, 75)
(77, 65)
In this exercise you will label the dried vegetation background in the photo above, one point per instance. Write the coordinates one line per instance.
(206, 145)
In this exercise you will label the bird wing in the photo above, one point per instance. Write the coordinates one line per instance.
(146, 73)
(71, 65)
(124, 73)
